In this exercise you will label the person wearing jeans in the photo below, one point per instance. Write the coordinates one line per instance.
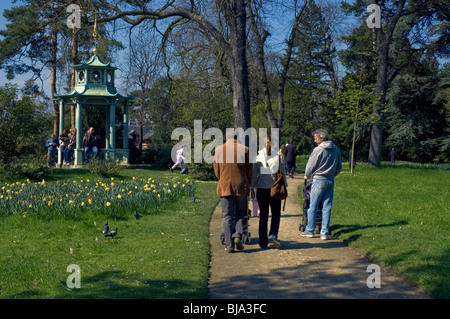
(324, 164)
(321, 191)
(90, 144)
(233, 210)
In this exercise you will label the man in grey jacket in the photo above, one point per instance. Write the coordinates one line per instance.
(323, 165)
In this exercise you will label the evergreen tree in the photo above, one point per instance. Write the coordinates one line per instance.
(406, 27)
(23, 123)
(416, 124)
(32, 40)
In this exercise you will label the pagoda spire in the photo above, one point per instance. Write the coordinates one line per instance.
(95, 35)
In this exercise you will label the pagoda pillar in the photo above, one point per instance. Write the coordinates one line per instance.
(107, 126)
(61, 129)
(79, 127)
(125, 147)
(125, 125)
(112, 129)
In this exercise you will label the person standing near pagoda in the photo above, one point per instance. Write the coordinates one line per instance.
(90, 144)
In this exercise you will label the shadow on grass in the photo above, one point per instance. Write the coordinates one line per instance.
(432, 273)
(122, 285)
(339, 230)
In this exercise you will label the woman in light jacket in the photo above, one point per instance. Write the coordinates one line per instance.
(264, 175)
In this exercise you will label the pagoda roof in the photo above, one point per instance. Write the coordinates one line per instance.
(94, 62)
(100, 91)
(93, 90)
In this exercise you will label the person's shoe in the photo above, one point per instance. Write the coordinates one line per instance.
(305, 234)
(238, 243)
(229, 250)
(324, 237)
(171, 169)
(264, 246)
(275, 242)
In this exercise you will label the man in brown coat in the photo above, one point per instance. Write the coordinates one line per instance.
(234, 172)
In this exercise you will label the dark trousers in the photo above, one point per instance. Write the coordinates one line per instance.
(52, 158)
(291, 167)
(233, 209)
(68, 154)
(265, 202)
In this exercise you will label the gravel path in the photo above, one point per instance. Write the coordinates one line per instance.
(302, 268)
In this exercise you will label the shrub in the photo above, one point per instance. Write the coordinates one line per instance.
(158, 157)
(104, 168)
(30, 167)
(202, 171)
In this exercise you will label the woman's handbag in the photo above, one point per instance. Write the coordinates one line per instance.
(278, 189)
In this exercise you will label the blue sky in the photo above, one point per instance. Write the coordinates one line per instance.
(19, 80)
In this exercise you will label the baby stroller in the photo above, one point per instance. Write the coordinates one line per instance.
(306, 202)
(245, 231)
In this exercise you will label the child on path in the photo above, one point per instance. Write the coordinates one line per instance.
(180, 159)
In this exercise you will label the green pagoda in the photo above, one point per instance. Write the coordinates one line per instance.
(94, 85)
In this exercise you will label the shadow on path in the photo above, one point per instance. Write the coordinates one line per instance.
(302, 268)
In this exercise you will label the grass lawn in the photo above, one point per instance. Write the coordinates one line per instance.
(399, 216)
(165, 254)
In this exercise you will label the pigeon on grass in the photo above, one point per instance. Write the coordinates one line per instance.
(136, 215)
(112, 234)
(105, 228)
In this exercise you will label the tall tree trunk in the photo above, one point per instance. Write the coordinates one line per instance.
(352, 156)
(376, 137)
(75, 60)
(239, 67)
(54, 37)
(384, 40)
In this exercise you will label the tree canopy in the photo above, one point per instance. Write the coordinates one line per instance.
(255, 63)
